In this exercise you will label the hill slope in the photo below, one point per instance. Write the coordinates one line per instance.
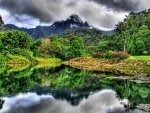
(73, 22)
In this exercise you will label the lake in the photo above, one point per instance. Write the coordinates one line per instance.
(63, 89)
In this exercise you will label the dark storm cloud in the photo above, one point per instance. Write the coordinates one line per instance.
(120, 5)
(99, 13)
(44, 10)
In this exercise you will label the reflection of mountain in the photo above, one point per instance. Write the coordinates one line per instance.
(73, 22)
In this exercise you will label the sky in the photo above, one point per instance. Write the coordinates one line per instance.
(104, 14)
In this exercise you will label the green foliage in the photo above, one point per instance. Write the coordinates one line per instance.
(120, 56)
(47, 60)
(124, 56)
(105, 46)
(11, 39)
(3, 59)
(143, 58)
(77, 47)
(108, 54)
(117, 56)
(1, 46)
(94, 40)
(23, 52)
(17, 59)
(57, 46)
(139, 47)
(90, 36)
(66, 48)
(145, 52)
(133, 33)
(41, 47)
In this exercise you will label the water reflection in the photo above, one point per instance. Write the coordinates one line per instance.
(104, 101)
(34, 79)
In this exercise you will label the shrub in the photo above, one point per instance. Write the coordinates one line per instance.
(120, 55)
(145, 52)
(112, 55)
(99, 55)
(108, 55)
(124, 56)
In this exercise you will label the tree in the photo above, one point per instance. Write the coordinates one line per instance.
(139, 46)
(1, 23)
(105, 46)
(66, 48)
(134, 29)
(136, 46)
(77, 47)
(11, 39)
(139, 41)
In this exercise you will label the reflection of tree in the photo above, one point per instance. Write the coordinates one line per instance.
(75, 79)
(136, 93)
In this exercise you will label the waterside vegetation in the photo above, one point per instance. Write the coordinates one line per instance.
(126, 51)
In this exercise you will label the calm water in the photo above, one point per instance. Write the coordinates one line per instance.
(43, 89)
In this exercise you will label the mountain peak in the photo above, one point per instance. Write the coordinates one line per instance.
(72, 22)
(75, 18)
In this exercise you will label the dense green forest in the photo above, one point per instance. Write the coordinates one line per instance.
(132, 36)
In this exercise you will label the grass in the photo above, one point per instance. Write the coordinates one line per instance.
(47, 66)
(47, 60)
(16, 59)
(143, 58)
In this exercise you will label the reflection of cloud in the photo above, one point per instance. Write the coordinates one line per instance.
(102, 102)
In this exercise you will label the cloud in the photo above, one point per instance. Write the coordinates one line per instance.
(120, 5)
(145, 4)
(99, 13)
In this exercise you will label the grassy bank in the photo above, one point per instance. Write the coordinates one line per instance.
(125, 67)
(17, 60)
(142, 58)
(43, 61)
